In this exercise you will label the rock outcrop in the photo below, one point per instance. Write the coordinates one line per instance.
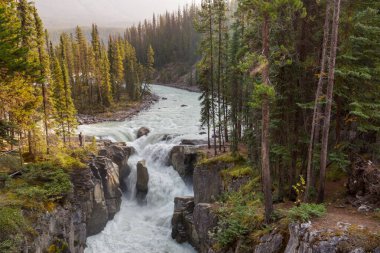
(95, 199)
(364, 185)
(142, 131)
(183, 159)
(182, 221)
(196, 220)
(109, 175)
(119, 153)
(142, 182)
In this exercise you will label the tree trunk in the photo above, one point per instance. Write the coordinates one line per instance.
(317, 106)
(212, 78)
(267, 184)
(329, 98)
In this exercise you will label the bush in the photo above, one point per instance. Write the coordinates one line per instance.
(238, 215)
(305, 212)
(44, 182)
(9, 163)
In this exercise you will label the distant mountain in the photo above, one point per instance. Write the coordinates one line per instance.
(106, 13)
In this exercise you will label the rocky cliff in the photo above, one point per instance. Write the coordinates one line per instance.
(95, 200)
(196, 220)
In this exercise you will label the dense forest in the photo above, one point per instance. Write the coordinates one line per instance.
(297, 81)
(48, 82)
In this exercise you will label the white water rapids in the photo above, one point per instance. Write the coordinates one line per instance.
(147, 229)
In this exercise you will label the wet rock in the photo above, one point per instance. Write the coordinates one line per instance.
(183, 160)
(119, 153)
(109, 175)
(142, 131)
(89, 196)
(202, 133)
(142, 182)
(183, 105)
(183, 228)
(193, 142)
(164, 98)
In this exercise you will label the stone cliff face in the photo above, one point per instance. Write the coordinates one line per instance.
(195, 220)
(95, 200)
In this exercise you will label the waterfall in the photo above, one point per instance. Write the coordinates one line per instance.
(147, 228)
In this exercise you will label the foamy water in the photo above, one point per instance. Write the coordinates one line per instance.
(147, 229)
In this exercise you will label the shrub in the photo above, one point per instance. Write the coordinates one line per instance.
(44, 182)
(9, 163)
(305, 212)
(13, 228)
(238, 215)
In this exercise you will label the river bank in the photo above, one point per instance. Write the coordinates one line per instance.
(120, 115)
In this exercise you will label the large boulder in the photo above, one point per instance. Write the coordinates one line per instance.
(109, 175)
(183, 228)
(183, 159)
(142, 182)
(119, 153)
(89, 196)
(142, 131)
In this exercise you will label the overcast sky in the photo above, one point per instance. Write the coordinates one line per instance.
(110, 13)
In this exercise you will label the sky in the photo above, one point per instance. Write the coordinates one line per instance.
(107, 13)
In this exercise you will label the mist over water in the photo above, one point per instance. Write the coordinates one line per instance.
(147, 229)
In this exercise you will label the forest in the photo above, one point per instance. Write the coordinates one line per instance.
(290, 87)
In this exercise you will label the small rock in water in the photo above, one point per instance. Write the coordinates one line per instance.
(183, 105)
(142, 131)
(202, 133)
(142, 182)
(164, 98)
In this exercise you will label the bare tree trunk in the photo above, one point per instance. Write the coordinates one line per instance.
(267, 183)
(329, 98)
(219, 75)
(317, 106)
(212, 78)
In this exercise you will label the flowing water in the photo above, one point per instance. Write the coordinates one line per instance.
(147, 229)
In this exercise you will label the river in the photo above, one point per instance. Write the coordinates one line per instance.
(147, 229)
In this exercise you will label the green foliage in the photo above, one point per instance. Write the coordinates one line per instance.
(42, 182)
(9, 163)
(239, 213)
(14, 227)
(305, 212)
(299, 189)
(262, 90)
